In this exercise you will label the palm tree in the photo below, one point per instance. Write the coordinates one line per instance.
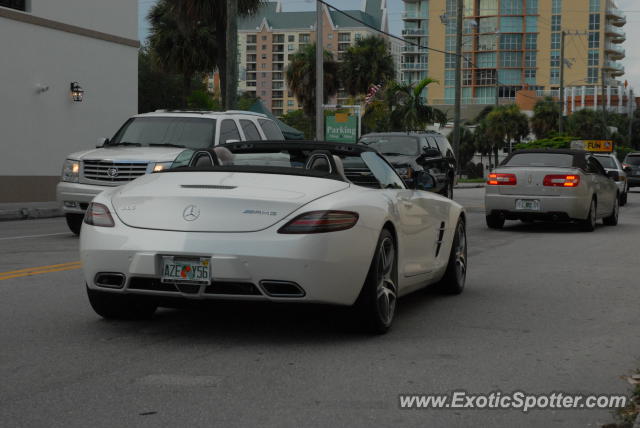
(505, 124)
(367, 62)
(407, 107)
(213, 14)
(301, 77)
(546, 114)
(180, 50)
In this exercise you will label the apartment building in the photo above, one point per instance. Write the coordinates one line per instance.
(69, 76)
(268, 39)
(511, 45)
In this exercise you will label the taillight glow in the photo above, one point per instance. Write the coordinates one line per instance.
(561, 180)
(98, 215)
(499, 179)
(320, 222)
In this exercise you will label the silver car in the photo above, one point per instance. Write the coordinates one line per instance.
(551, 185)
(615, 170)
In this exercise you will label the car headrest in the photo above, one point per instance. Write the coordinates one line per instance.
(224, 155)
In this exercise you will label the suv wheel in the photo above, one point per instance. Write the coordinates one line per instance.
(74, 221)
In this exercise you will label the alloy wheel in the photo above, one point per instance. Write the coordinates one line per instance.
(461, 255)
(386, 291)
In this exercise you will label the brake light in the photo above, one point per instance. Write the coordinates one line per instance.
(98, 215)
(320, 222)
(561, 180)
(498, 179)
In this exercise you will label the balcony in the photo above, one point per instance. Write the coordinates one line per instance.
(616, 68)
(414, 66)
(616, 17)
(413, 49)
(615, 52)
(413, 15)
(616, 34)
(415, 32)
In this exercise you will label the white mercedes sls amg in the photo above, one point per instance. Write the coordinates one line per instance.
(304, 221)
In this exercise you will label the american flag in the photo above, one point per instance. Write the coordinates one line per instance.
(373, 90)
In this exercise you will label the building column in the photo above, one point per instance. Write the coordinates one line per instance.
(573, 99)
(584, 97)
(608, 97)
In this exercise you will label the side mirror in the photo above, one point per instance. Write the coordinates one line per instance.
(102, 142)
(627, 169)
(430, 152)
(422, 180)
(613, 175)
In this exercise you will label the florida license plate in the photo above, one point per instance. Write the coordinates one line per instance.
(192, 270)
(528, 204)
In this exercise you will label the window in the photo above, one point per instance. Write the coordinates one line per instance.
(344, 37)
(594, 166)
(330, 36)
(278, 38)
(271, 130)
(511, 59)
(489, 7)
(487, 42)
(594, 5)
(263, 38)
(485, 77)
(510, 77)
(511, 24)
(264, 47)
(250, 131)
(511, 7)
(488, 25)
(263, 56)
(290, 103)
(449, 61)
(555, 76)
(594, 58)
(467, 77)
(443, 146)
(592, 75)
(449, 77)
(556, 7)
(291, 47)
(531, 42)
(450, 44)
(555, 40)
(531, 24)
(291, 38)
(558, 160)
(555, 59)
(304, 38)
(185, 131)
(530, 73)
(532, 7)
(556, 22)
(486, 60)
(228, 131)
(511, 42)
(251, 38)
(594, 21)
(381, 170)
(594, 40)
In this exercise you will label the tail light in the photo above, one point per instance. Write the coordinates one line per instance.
(498, 179)
(561, 180)
(98, 215)
(320, 222)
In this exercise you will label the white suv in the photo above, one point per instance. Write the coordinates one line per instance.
(150, 142)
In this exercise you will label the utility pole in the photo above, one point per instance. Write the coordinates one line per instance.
(458, 93)
(319, 74)
(630, 110)
(604, 107)
(231, 79)
(561, 119)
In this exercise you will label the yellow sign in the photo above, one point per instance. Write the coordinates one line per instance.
(593, 145)
(342, 117)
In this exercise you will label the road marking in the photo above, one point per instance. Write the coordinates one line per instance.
(34, 236)
(40, 270)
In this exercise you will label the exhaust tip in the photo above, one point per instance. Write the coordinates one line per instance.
(110, 279)
(274, 288)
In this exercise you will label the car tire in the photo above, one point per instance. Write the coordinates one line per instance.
(121, 306)
(74, 221)
(623, 199)
(612, 220)
(495, 221)
(456, 274)
(589, 224)
(377, 302)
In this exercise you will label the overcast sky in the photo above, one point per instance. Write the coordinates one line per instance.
(631, 7)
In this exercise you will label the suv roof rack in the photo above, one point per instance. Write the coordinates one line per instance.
(251, 113)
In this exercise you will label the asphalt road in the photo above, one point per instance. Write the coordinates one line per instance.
(547, 308)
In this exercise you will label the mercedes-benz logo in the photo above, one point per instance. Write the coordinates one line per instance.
(191, 213)
(112, 172)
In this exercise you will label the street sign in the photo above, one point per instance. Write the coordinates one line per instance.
(341, 128)
(593, 145)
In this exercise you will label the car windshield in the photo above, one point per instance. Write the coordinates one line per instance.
(191, 132)
(540, 159)
(393, 145)
(632, 160)
(607, 162)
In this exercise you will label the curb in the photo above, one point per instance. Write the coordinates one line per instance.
(30, 213)
(469, 186)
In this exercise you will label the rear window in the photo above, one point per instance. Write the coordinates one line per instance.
(541, 159)
(607, 162)
(632, 160)
(271, 130)
(395, 145)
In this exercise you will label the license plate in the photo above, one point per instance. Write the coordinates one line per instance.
(528, 204)
(192, 270)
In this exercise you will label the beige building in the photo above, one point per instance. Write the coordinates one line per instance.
(268, 39)
(515, 44)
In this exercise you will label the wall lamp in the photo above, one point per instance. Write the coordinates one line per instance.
(77, 93)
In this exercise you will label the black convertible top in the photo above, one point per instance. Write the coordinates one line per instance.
(339, 149)
(579, 156)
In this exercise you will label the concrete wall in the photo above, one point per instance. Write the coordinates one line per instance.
(39, 129)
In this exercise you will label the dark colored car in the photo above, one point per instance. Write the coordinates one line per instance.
(409, 152)
(631, 165)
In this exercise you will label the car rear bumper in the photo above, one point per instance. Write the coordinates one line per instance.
(326, 268)
(634, 181)
(75, 197)
(551, 207)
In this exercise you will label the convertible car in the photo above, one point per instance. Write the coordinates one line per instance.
(304, 222)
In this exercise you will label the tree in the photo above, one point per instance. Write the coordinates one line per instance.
(376, 117)
(408, 112)
(301, 77)
(367, 62)
(301, 122)
(467, 146)
(180, 49)
(505, 124)
(587, 124)
(545, 119)
(213, 15)
(156, 88)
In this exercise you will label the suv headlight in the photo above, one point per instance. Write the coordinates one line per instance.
(161, 166)
(405, 172)
(71, 171)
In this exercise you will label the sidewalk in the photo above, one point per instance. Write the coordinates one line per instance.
(29, 210)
